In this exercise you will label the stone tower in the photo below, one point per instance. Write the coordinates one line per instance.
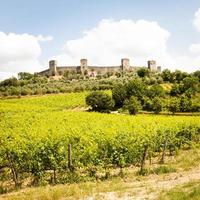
(152, 65)
(125, 64)
(83, 65)
(159, 69)
(53, 67)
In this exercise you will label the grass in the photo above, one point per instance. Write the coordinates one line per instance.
(186, 160)
(189, 191)
(72, 191)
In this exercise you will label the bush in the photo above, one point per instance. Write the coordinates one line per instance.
(156, 91)
(157, 105)
(148, 104)
(26, 91)
(136, 88)
(132, 105)
(185, 104)
(174, 105)
(119, 95)
(143, 72)
(175, 90)
(100, 101)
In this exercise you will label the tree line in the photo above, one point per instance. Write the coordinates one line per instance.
(135, 95)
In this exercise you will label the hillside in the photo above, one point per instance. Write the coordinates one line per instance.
(35, 133)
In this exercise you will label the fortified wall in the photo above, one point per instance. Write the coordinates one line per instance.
(84, 68)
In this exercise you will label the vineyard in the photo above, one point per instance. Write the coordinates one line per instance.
(37, 133)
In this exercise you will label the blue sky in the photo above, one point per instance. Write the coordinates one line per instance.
(65, 20)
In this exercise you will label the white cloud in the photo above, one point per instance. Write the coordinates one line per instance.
(4, 75)
(20, 52)
(196, 20)
(195, 48)
(140, 41)
(110, 41)
(41, 38)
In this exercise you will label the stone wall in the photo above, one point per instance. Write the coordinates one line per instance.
(55, 70)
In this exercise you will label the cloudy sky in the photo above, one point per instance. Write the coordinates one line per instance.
(103, 31)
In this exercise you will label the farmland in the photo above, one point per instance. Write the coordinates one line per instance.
(35, 133)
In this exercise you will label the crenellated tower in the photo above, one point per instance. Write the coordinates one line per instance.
(152, 65)
(125, 65)
(83, 65)
(53, 67)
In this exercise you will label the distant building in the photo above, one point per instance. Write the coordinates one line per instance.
(152, 65)
(84, 68)
(159, 69)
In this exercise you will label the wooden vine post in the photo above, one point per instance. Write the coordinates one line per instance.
(144, 156)
(162, 160)
(70, 165)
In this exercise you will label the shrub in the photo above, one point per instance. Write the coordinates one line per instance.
(143, 72)
(132, 105)
(156, 91)
(136, 88)
(100, 101)
(174, 105)
(157, 105)
(119, 95)
(185, 104)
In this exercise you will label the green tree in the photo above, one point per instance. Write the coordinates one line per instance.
(185, 104)
(10, 82)
(179, 76)
(143, 72)
(25, 76)
(157, 105)
(147, 104)
(175, 90)
(133, 105)
(190, 83)
(100, 101)
(119, 95)
(156, 91)
(136, 88)
(197, 74)
(174, 105)
(167, 75)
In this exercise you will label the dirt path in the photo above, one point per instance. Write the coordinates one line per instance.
(150, 187)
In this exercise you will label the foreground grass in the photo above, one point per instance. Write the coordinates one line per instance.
(189, 191)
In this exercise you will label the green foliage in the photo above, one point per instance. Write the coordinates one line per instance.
(185, 104)
(25, 76)
(136, 88)
(35, 133)
(9, 82)
(157, 105)
(167, 75)
(147, 104)
(119, 95)
(100, 101)
(132, 105)
(190, 86)
(197, 74)
(175, 90)
(179, 76)
(143, 72)
(156, 91)
(174, 105)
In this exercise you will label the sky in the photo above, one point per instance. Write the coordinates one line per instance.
(103, 31)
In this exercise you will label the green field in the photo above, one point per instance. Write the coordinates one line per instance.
(35, 133)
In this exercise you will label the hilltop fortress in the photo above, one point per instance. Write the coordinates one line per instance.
(85, 69)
